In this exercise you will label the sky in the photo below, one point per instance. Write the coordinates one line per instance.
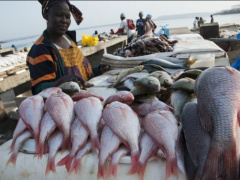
(24, 18)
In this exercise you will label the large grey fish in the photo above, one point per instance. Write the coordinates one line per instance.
(148, 148)
(165, 135)
(149, 82)
(145, 98)
(186, 84)
(109, 143)
(163, 77)
(218, 96)
(138, 90)
(163, 63)
(192, 73)
(122, 120)
(54, 143)
(178, 100)
(197, 139)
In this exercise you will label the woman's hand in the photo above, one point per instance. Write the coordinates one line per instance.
(104, 68)
(67, 78)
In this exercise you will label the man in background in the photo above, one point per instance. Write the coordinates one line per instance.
(212, 20)
(140, 24)
(124, 26)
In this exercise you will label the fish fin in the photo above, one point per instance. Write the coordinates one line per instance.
(95, 143)
(171, 167)
(50, 166)
(206, 120)
(69, 163)
(12, 159)
(110, 169)
(100, 172)
(63, 161)
(141, 170)
(134, 157)
(75, 166)
(11, 146)
(134, 168)
(230, 69)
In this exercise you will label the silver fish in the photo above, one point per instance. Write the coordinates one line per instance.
(186, 84)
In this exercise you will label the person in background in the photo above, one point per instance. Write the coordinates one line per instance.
(149, 26)
(112, 32)
(124, 26)
(95, 33)
(14, 47)
(55, 58)
(0, 46)
(200, 22)
(195, 23)
(212, 20)
(140, 24)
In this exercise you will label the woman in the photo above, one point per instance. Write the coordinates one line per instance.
(55, 58)
(149, 27)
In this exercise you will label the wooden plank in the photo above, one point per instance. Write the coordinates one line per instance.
(13, 81)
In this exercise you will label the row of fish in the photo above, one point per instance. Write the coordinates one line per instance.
(145, 45)
(83, 124)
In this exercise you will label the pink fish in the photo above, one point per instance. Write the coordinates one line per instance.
(46, 128)
(121, 96)
(109, 144)
(54, 144)
(169, 115)
(20, 128)
(61, 108)
(148, 148)
(31, 112)
(84, 94)
(79, 137)
(89, 112)
(46, 93)
(116, 156)
(19, 142)
(81, 152)
(121, 119)
(165, 135)
(150, 106)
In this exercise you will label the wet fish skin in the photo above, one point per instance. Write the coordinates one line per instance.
(121, 96)
(148, 148)
(54, 143)
(116, 156)
(84, 94)
(149, 82)
(135, 76)
(129, 83)
(126, 72)
(77, 161)
(79, 137)
(145, 98)
(221, 85)
(18, 143)
(165, 135)
(89, 111)
(168, 115)
(192, 73)
(61, 108)
(197, 139)
(163, 77)
(109, 144)
(31, 111)
(46, 93)
(153, 67)
(186, 84)
(20, 128)
(178, 100)
(122, 120)
(174, 60)
(163, 63)
(139, 90)
(47, 126)
(150, 106)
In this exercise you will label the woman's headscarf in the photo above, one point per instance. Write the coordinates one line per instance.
(47, 4)
(149, 16)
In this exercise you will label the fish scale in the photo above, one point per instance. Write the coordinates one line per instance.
(217, 91)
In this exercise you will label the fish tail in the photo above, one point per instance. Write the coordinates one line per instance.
(50, 166)
(134, 157)
(76, 166)
(40, 150)
(100, 172)
(141, 170)
(12, 159)
(63, 161)
(171, 167)
(12, 146)
(95, 143)
(134, 168)
(113, 169)
(110, 169)
(69, 163)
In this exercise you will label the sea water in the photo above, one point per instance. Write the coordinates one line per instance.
(22, 42)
